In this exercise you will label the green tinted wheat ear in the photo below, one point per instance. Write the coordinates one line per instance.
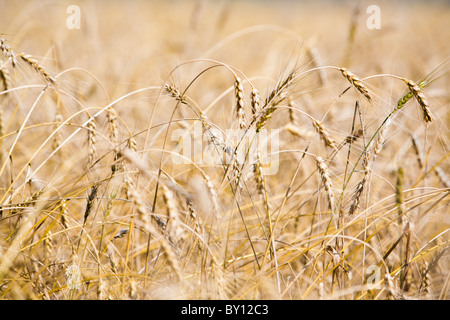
(356, 82)
(403, 100)
(266, 115)
(420, 97)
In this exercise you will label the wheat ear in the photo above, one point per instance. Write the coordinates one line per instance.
(356, 82)
(329, 142)
(240, 102)
(173, 221)
(420, 97)
(326, 180)
(36, 66)
(256, 101)
(4, 76)
(91, 141)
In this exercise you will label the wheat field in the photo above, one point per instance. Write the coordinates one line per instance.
(224, 150)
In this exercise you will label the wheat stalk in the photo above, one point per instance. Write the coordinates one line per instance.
(329, 142)
(420, 97)
(240, 102)
(326, 180)
(173, 221)
(275, 97)
(91, 141)
(361, 185)
(138, 203)
(8, 52)
(256, 101)
(356, 82)
(174, 92)
(4, 76)
(36, 66)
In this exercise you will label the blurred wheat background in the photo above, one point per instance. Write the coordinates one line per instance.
(93, 205)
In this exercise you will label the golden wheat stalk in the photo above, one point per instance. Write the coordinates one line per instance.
(36, 66)
(256, 101)
(420, 97)
(362, 184)
(4, 76)
(173, 221)
(275, 97)
(240, 102)
(174, 92)
(91, 141)
(8, 52)
(357, 196)
(326, 180)
(324, 135)
(144, 216)
(356, 82)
